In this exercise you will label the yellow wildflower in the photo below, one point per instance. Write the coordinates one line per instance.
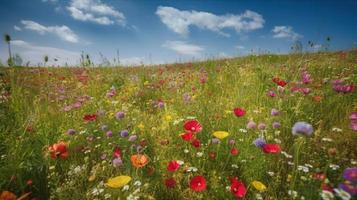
(118, 181)
(220, 134)
(259, 186)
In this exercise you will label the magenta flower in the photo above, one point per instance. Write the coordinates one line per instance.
(350, 174)
(109, 134)
(353, 116)
(120, 115)
(305, 90)
(271, 93)
(306, 77)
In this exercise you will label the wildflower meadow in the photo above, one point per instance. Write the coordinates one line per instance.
(269, 127)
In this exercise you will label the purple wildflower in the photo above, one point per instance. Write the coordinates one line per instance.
(302, 128)
(275, 112)
(71, 131)
(350, 174)
(276, 125)
(117, 162)
(109, 133)
(259, 142)
(120, 115)
(124, 133)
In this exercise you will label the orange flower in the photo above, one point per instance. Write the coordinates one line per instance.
(6, 195)
(317, 98)
(59, 149)
(139, 160)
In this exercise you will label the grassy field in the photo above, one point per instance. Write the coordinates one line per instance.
(151, 132)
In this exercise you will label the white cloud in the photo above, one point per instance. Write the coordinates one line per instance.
(285, 32)
(95, 11)
(35, 54)
(17, 28)
(62, 32)
(239, 47)
(183, 47)
(180, 20)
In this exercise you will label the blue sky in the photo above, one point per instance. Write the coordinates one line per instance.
(169, 31)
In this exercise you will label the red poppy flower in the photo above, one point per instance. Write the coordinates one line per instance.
(170, 182)
(198, 183)
(59, 149)
(234, 151)
(196, 143)
(187, 136)
(90, 117)
(271, 148)
(237, 188)
(173, 166)
(239, 112)
(192, 125)
(117, 152)
(282, 83)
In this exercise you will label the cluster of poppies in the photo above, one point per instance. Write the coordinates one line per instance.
(192, 127)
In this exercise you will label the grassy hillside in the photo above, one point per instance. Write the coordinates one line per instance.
(66, 131)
